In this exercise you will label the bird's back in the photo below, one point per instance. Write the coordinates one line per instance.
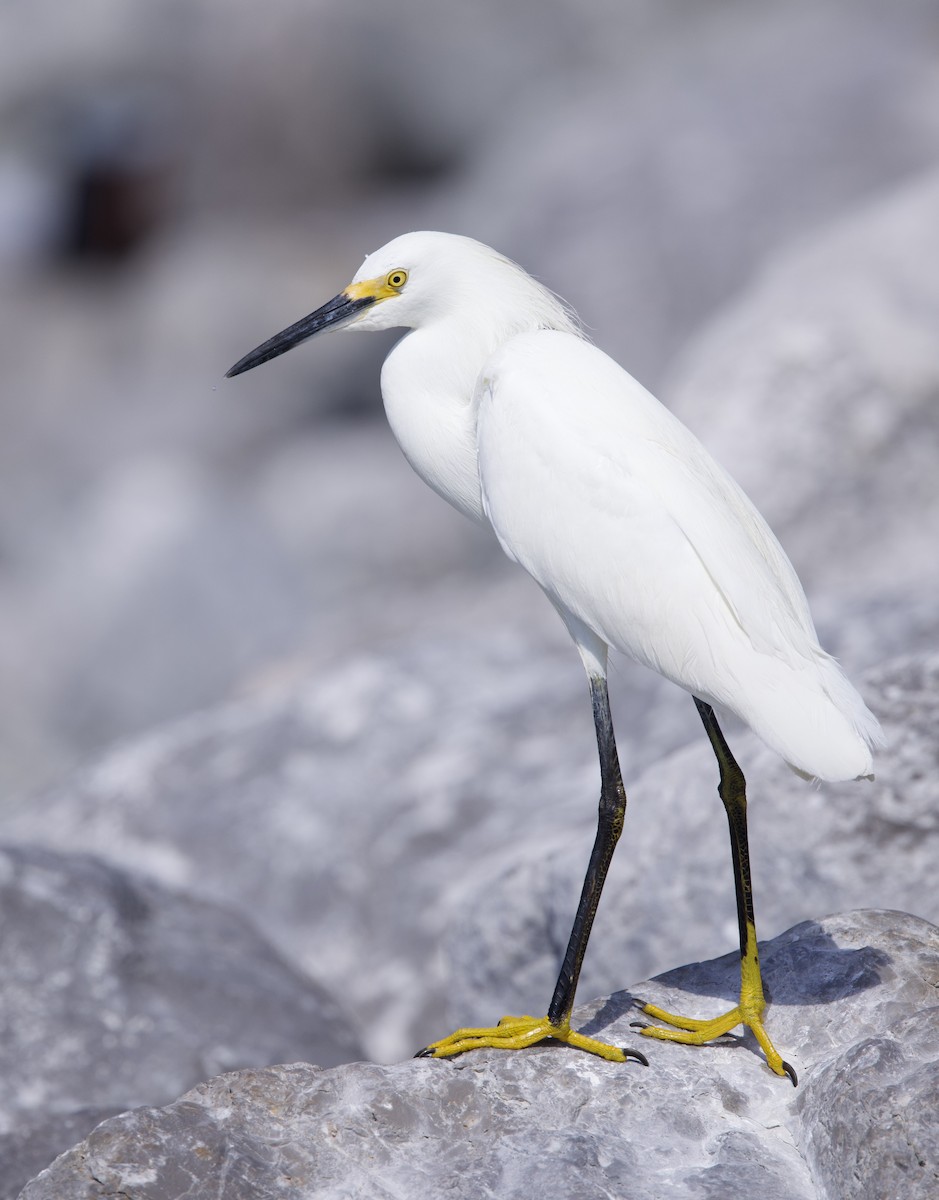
(628, 524)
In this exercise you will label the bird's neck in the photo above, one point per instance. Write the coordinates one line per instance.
(428, 385)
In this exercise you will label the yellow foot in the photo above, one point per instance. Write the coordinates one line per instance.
(692, 1032)
(515, 1033)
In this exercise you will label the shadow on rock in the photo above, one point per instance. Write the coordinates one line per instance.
(806, 966)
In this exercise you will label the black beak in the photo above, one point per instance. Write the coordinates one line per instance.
(335, 312)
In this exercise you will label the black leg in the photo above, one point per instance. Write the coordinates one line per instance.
(609, 827)
(732, 790)
(749, 1010)
(516, 1033)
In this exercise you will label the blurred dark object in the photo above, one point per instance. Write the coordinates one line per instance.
(116, 177)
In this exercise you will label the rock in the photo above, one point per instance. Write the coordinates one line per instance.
(890, 1073)
(35, 1139)
(854, 1001)
(170, 590)
(165, 588)
(395, 793)
(347, 812)
(670, 889)
(117, 992)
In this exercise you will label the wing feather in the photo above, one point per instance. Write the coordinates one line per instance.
(635, 532)
(604, 462)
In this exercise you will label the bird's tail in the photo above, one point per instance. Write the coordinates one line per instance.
(816, 720)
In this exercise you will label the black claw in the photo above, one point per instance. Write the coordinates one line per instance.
(638, 1024)
(427, 1052)
(636, 1054)
(791, 1072)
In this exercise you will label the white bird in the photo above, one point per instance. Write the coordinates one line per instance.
(639, 539)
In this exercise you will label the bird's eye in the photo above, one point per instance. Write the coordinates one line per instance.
(397, 279)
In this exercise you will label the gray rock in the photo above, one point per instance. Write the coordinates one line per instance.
(554, 1123)
(179, 591)
(670, 889)
(347, 813)
(881, 1097)
(117, 992)
(35, 1139)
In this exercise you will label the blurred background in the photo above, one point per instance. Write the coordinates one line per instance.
(741, 200)
(178, 181)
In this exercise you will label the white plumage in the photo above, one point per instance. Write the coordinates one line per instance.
(605, 498)
(637, 536)
(628, 524)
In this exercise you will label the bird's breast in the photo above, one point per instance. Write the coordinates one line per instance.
(430, 408)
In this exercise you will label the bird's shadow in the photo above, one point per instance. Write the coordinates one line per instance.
(803, 967)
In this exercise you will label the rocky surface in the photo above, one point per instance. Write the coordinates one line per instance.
(854, 1007)
(670, 890)
(396, 794)
(117, 992)
(33, 1140)
(347, 812)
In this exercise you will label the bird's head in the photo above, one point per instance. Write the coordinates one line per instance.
(402, 285)
(419, 278)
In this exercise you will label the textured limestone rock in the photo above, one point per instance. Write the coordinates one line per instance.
(670, 889)
(850, 992)
(880, 1101)
(29, 1144)
(117, 992)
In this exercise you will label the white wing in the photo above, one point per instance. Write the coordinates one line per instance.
(626, 521)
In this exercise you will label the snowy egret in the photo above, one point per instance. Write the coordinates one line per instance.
(636, 535)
